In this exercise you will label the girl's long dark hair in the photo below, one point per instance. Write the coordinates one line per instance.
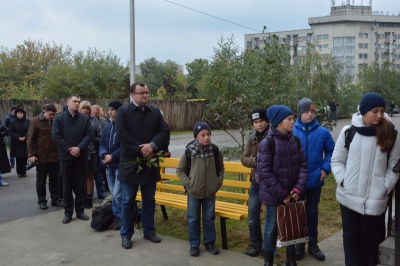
(384, 135)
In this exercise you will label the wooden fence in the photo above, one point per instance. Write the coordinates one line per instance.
(180, 115)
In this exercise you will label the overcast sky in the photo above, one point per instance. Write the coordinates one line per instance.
(164, 30)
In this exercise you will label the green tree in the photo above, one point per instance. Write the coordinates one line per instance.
(383, 79)
(196, 70)
(26, 65)
(92, 74)
(152, 72)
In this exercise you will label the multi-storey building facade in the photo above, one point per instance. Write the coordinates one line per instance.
(355, 35)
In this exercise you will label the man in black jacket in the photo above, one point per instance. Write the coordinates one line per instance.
(141, 130)
(72, 134)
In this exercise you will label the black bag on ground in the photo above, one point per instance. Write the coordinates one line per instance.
(102, 217)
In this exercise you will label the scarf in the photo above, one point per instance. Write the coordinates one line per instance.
(366, 131)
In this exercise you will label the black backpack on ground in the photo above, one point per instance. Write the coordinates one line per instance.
(102, 217)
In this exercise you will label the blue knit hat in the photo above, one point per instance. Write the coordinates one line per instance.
(370, 101)
(277, 113)
(199, 127)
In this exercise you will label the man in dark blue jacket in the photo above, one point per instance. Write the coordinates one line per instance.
(109, 154)
(142, 132)
(72, 134)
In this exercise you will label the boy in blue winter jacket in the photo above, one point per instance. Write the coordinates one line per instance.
(318, 146)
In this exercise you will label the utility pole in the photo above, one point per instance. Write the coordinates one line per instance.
(132, 46)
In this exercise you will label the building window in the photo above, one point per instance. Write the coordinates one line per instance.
(319, 37)
(344, 52)
(249, 44)
(363, 35)
(325, 36)
(363, 45)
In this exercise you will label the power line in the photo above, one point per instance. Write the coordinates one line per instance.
(212, 16)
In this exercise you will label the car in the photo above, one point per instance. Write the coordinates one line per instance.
(396, 110)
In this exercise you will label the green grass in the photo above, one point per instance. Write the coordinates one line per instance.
(238, 232)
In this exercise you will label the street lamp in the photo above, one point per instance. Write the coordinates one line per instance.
(132, 43)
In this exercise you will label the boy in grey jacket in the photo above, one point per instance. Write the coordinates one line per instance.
(201, 183)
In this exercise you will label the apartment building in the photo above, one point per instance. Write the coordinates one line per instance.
(354, 34)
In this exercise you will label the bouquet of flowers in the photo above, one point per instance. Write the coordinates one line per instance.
(154, 161)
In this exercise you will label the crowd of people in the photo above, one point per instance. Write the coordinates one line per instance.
(73, 145)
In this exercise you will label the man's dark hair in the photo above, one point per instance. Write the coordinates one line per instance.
(50, 108)
(73, 95)
(133, 86)
(13, 108)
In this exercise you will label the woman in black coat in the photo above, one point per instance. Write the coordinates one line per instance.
(18, 131)
(4, 163)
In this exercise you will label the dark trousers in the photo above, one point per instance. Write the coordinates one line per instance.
(52, 170)
(99, 179)
(312, 198)
(21, 164)
(73, 174)
(362, 235)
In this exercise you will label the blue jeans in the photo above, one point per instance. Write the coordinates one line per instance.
(254, 208)
(312, 198)
(270, 228)
(194, 210)
(129, 192)
(362, 235)
(115, 189)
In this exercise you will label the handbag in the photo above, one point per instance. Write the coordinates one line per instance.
(291, 224)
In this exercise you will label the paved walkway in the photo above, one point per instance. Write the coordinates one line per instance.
(44, 240)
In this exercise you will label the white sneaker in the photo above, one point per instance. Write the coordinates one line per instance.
(3, 184)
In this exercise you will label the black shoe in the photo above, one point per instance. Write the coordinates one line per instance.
(67, 219)
(22, 175)
(211, 248)
(314, 250)
(253, 250)
(152, 237)
(194, 251)
(82, 216)
(126, 243)
(102, 196)
(42, 205)
(57, 203)
(300, 249)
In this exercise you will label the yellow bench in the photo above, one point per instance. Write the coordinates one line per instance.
(229, 204)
